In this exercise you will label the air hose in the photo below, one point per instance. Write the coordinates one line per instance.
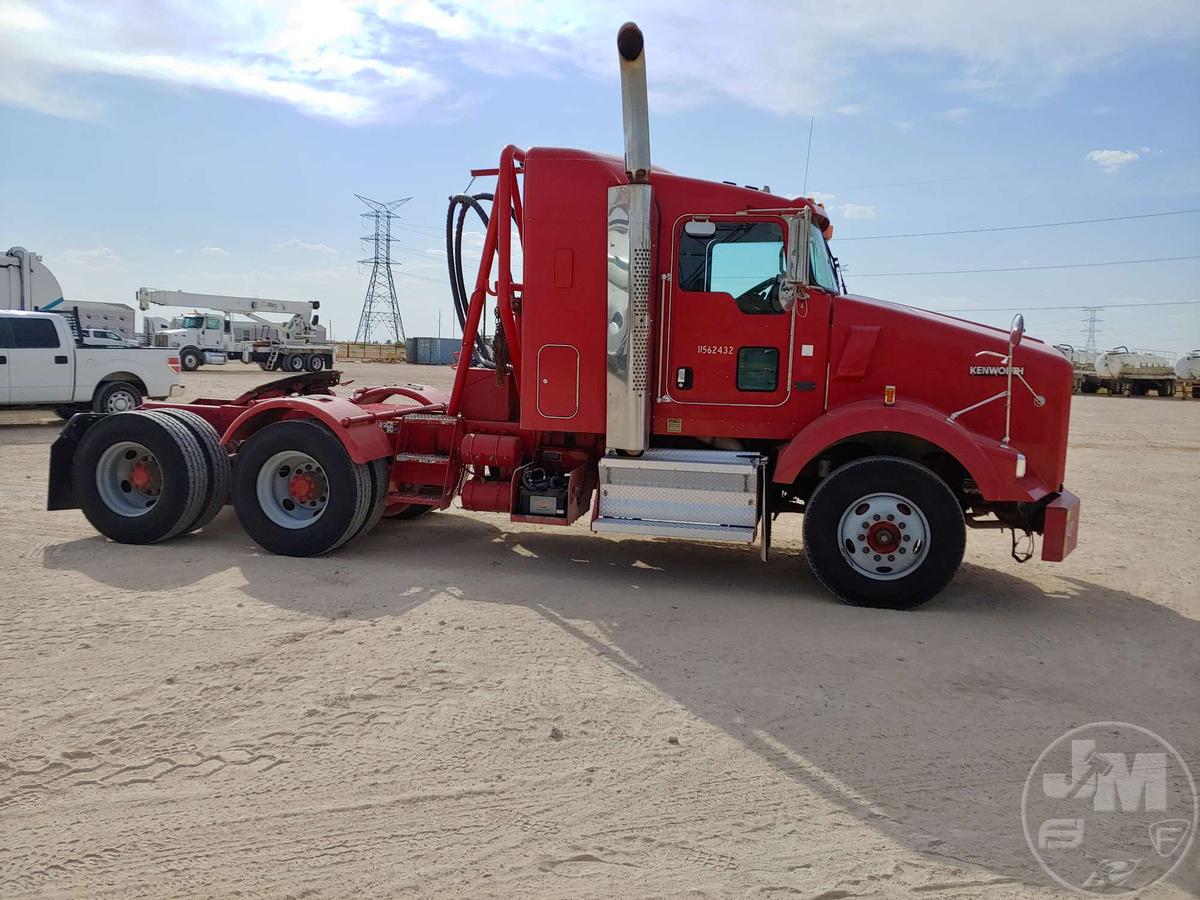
(462, 203)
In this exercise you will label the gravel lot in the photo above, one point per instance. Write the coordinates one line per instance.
(462, 706)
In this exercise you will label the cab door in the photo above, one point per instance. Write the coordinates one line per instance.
(40, 368)
(730, 340)
(5, 347)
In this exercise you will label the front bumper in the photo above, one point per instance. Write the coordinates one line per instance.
(1061, 530)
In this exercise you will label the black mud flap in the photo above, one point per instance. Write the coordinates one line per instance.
(61, 491)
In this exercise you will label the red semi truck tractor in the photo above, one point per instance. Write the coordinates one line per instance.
(675, 358)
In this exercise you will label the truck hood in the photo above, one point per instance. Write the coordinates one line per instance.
(951, 364)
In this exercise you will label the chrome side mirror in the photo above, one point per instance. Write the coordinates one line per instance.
(1016, 332)
(797, 247)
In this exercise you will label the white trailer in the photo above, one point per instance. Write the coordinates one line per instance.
(1136, 372)
(210, 333)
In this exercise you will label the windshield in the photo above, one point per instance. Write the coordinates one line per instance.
(192, 322)
(819, 264)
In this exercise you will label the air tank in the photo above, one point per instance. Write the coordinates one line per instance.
(1123, 363)
(1188, 368)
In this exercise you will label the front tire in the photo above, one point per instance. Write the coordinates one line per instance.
(297, 492)
(190, 359)
(884, 532)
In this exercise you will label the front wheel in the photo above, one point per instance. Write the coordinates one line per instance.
(297, 491)
(884, 532)
(190, 359)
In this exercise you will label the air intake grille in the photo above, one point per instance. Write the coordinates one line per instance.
(640, 334)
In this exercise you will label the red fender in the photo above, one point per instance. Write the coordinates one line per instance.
(363, 442)
(979, 455)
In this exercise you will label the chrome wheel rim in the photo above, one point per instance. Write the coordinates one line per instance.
(884, 536)
(318, 363)
(128, 479)
(120, 401)
(292, 488)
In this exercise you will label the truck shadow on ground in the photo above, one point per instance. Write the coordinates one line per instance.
(923, 725)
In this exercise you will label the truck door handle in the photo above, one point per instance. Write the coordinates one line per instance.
(60, 360)
(3, 360)
(683, 378)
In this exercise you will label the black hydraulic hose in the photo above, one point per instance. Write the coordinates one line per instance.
(458, 287)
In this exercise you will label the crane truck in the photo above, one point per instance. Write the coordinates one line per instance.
(677, 358)
(297, 345)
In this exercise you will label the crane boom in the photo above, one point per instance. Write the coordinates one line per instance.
(249, 306)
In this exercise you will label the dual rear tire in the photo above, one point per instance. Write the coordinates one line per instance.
(148, 476)
(298, 493)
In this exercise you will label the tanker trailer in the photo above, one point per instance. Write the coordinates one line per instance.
(1136, 372)
(1188, 369)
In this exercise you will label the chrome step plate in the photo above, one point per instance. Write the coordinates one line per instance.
(693, 494)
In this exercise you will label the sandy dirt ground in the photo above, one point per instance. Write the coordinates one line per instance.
(462, 706)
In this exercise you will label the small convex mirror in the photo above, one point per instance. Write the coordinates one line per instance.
(1018, 330)
(700, 228)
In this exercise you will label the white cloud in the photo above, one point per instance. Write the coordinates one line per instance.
(1111, 160)
(857, 211)
(850, 109)
(957, 116)
(213, 251)
(97, 257)
(296, 244)
(364, 60)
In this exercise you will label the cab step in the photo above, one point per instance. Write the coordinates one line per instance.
(704, 495)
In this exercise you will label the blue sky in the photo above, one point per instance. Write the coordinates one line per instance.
(219, 148)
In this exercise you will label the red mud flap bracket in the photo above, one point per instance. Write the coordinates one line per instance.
(1061, 532)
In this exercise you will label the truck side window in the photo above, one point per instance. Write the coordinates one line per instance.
(758, 369)
(741, 259)
(30, 334)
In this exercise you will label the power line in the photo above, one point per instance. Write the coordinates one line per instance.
(404, 274)
(1080, 306)
(916, 234)
(1115, 262)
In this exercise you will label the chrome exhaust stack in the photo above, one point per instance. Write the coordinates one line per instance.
(634, 103)
(630, 262)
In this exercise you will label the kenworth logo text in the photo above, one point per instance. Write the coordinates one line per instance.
(995, 370)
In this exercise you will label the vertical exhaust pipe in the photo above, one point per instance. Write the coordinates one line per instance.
(630, 262)
(635, 108)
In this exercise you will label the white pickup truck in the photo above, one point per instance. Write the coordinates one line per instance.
(41, 365)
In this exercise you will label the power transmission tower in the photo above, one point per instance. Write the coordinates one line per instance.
(380, 313)
(1090, 322)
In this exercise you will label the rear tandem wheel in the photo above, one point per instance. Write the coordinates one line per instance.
(140, 477)
(297, 492)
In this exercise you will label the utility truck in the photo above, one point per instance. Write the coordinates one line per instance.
(677, 359)
(214, 336)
